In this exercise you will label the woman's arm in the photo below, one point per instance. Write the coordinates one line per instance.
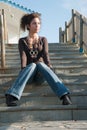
(46, 53)
(22, 54)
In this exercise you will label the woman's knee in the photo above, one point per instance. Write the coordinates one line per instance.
(31, 65)
(41, 65)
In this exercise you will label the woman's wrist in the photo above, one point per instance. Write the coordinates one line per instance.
(22, 67)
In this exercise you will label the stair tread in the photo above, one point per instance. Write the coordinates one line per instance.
(43, 107)
(59, 74)
(45, 95)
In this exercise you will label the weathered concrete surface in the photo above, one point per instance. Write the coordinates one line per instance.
(46, 125)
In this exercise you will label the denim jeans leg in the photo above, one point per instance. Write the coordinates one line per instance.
(19, 84)
(56, 84)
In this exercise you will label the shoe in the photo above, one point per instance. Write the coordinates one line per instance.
(10, 100)
(66, 100)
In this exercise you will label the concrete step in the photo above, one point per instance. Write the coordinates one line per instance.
(56, 53)
(59, 66)
(63, 45)
(46, 125)
(11, 67)
(59, 50)
(16, 57)
(42, 113)
(44, 89)
(10, 70)
(65, 77)
(51, 54)
(15, 48)
(54, 56)
(58, 69)
(10, 59)
(69, 75)
(68, 57)
(29, 99)
(50, 45)
(13, 54)
(39, 103)
(10, 62)
(63, 49)
(53, 62)
(70, 61)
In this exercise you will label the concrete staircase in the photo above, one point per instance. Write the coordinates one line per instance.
(39, 103)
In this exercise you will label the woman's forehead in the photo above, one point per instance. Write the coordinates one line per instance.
(35, 20)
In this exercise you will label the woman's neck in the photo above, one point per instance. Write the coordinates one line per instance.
(33, 36)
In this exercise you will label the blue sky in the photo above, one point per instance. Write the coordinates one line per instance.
(54, 13)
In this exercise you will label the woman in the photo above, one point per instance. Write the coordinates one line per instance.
(35, 63)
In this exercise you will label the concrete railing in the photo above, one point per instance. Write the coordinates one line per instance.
(75, 31)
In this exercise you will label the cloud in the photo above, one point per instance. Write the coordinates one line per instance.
(79, 5)
(68, 4)
(83, 7)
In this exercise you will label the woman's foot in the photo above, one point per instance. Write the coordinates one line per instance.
(10, 100)
(66, 100)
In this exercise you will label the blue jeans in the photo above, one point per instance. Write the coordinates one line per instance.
(30, 72)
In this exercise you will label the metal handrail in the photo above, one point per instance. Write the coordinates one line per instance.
(2, 40)
(75, 31)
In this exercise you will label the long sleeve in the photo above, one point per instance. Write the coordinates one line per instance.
(46, 53)
(22, 53)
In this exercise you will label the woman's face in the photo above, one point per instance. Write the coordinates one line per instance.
(34, 26)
